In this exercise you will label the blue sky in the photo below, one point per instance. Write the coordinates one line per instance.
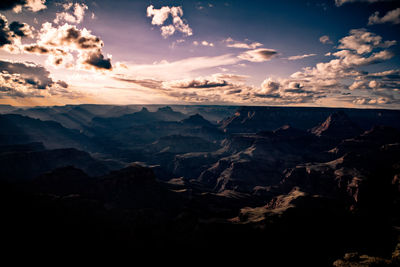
(208, 52)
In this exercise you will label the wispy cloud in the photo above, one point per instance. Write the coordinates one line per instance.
(236, 44)
(392, 16)
(301, 56)
(325, 39)
(341, 2)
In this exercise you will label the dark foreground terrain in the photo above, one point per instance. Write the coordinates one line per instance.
(280, 186)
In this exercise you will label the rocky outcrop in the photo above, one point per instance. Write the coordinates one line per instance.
(337, 126)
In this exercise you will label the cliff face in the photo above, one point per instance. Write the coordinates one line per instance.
(300, 194)
(337, 126)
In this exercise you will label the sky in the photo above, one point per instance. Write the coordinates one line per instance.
(333, 53)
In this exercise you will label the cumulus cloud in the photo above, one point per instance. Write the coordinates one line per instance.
(236, 44)
(258, 55)
(60, 42)
(360, 48)
(362, 41)
(17, 5)
(269, 86)
(378, 82)
(75, 17)
(68, 36)
(25, 79)
(301, 56)
(371, 101)
(339, 79)
(286, 91)
(11, 34)
(341, 2)
(325, 39)
(356, 85)
(205, 43)
(392, 16)
(160, 16)
(345, 65)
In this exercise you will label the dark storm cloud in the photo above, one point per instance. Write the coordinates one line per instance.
(8, 33)
(97, 60)
(5, 37)
(16, 5)
(20, 29)
(10, 4)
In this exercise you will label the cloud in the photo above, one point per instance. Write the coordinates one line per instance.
(258, 55)
(286, 95)
(179, 69)
(392, 16)
(20, 29)
(200, 83)
(26, 79)
(160, 16)
(147, 83)
(362, 41)
(215, 88)
(10, 35)
(203, 43)
(33, 74)
(269, 86)
(386, 81)
(357, 85)
(236, 44)
(341, 2)
(344, 65)
(371, 101)
(325, 39)
(340, 79)
(17, 5)
(301, 56)
(5, 35)
(167, 31)
(77, 15)
(201, 6)
(360, 48)
(288, 91)
(60, 42)
(68, 36)
(96, 59)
